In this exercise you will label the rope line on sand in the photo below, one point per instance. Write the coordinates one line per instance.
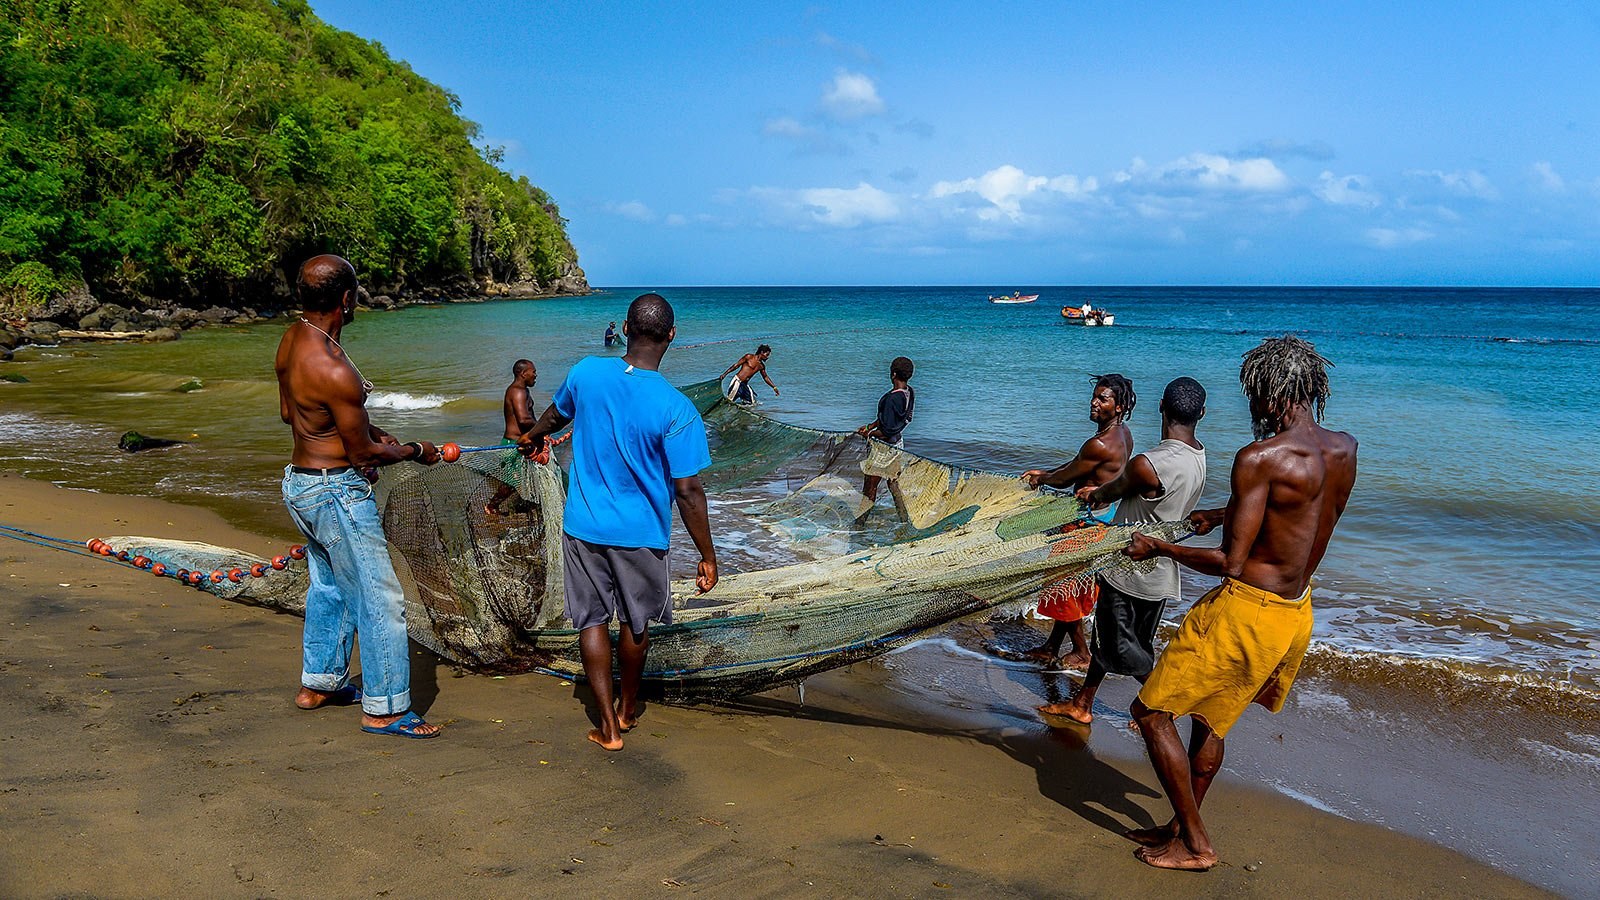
(103, 550)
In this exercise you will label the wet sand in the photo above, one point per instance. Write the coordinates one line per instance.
(150, 747)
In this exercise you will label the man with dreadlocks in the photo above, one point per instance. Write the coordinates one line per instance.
(1243, 642)
(1099, 461)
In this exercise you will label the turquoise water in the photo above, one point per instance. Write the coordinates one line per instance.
(1473, 536)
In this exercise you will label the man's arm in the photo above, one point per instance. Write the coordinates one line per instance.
(1090, 457)
(1247, 509)
(768, 380)
(730, 369)
(550, 422)
(1137, 479)
(356, 432)
(283, 403)
(691, 496)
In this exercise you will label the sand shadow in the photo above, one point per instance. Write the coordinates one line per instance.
(1067, 772)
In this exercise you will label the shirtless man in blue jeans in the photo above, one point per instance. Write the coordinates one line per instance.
(322, 397)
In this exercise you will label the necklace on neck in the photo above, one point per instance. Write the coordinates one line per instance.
(366, 386)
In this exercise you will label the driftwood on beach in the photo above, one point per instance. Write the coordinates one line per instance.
(156, 334)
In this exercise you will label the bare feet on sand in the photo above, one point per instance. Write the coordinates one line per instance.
(1068, 709)
(1153, 837)
(627, 719)
(1073, 662)
(1175, 854)
(598, 738)
(311, 699)
(1043, 655)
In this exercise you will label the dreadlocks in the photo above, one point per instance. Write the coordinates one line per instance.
(1286, 371)
(1121, 391)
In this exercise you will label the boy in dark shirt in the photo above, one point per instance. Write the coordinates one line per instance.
(894, 414)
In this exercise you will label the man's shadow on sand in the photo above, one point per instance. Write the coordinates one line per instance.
(1067, 772)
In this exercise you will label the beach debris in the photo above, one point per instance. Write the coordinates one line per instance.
(14, 378)
(190, 386)
(1252, 867)
(133, 442)
(673, 882)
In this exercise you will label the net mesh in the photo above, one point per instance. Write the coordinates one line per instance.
(816, 575)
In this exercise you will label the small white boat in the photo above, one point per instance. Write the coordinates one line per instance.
(1087, 316)
(1016, 297)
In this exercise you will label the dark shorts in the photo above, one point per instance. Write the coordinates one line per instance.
(1125, 632)
(630, 583)
(742, 393)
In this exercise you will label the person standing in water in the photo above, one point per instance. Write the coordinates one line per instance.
(1162, 484)
(749, 365)
(1099, 461)
(611, 335)
(1243, 642)
(517, 408)
(637, 445)
(895, 409)
(322, 398)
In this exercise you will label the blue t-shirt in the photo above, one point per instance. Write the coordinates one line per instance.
(632, 433)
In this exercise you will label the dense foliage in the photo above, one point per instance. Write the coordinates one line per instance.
(194, 149)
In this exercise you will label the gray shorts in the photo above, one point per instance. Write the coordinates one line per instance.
(628, 582)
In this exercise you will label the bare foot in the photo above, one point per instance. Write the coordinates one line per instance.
(598, 738)
(1153, 837)
(313, 699)
(1174, 854)
(1074, 662)
(627, 720)
(1068, 709)
(1042, 654)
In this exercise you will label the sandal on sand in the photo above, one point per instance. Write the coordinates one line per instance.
(405, 726)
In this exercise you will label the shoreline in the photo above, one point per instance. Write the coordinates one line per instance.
(151, 724)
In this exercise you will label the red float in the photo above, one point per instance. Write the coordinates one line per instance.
(280, 562)
(298, 551)
(450, 452)
(158, 569)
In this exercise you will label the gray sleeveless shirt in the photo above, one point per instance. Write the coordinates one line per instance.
(1181, 469)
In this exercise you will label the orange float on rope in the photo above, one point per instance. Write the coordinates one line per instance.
(450, 452)
(235, 575)
(193, 577)
(298, 551)
(217, 576)
(258, 570)
(280, 562)
(142, 562)
(158, 569)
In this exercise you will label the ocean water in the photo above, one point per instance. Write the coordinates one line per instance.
(1471, 541)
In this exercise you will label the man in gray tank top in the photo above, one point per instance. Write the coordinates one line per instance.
(1162, 484)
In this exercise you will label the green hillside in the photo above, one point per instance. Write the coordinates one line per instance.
(196, 151)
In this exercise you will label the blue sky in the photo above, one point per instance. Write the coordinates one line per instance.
(1051, 143)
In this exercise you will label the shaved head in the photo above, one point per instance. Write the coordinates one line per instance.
(650, 317)
(323, 282)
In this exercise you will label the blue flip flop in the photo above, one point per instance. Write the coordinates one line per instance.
(405, 726)
(349, 695)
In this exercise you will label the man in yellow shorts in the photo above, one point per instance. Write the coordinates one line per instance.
(1243, 642)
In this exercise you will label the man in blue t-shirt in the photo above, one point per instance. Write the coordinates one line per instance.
(637, 444)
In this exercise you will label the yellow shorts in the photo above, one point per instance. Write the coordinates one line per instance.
(1238, 645)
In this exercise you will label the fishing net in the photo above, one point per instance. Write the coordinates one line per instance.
(815, 575)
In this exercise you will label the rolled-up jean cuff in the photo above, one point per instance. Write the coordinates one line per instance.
(327, 684)
(386, 706)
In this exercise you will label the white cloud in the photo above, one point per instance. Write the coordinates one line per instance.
(851, 96)
(849, 207)
(675, 220)
(785, 127)
(1210, 171)
(1471, 183)
(844, 48)
(806, 139)
(1346, 190)
(1005, 187)
(1389, 238)
(634, 210)
(1548, 178)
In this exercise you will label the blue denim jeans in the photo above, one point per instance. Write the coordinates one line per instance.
(353, 591)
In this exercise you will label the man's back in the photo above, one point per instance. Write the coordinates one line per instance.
(1309, 473)
(633, 433)
(311, 374)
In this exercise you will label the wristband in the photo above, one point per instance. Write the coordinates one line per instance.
(415, 446)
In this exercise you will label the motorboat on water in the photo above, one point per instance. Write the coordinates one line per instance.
(1016, 297)
(1087, 315)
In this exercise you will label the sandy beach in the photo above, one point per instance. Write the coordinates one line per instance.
(151, 748)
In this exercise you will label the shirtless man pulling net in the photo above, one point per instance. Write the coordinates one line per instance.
(322, 397)
(1243, 642)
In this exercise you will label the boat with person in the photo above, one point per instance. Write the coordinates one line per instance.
(1087, 315)
(1016, 297)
